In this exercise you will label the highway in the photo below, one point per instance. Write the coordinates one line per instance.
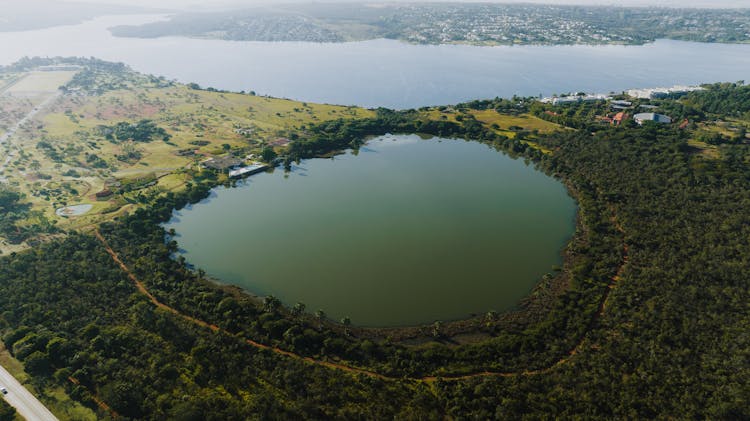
(25, 403)
(5, 138)
(18, 397)
(11, 83)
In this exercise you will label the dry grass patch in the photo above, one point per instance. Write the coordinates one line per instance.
(41, 82)
(506, 121)
(66, 145)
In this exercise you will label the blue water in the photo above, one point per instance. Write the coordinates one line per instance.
(390, 73)
(408, 231)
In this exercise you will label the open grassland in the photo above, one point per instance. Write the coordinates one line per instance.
(8, 79)
(708, 135)
(504, 124)
(703, 148)
(67, 154)
(63, 156)
(41, 82)
(506, 121)
(12, 110)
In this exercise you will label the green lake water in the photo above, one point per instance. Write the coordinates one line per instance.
(407, 231)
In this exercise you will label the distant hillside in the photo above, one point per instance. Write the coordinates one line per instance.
(444, 23)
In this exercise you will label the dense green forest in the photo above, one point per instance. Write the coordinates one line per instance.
(653, 322)
(17, 221)
(7, 412)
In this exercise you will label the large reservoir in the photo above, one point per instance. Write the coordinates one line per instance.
(389, 73)
(404, 231)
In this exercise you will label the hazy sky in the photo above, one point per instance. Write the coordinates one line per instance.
(208, 4)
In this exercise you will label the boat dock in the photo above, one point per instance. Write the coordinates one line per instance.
(248, 170)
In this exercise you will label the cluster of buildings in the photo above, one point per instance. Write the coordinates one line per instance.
(639, 118)
(657, 118)
(235, 167)
(620, 108)
(562, 100)
(656, 93)
(498, 23)
(59, 68)
(617, 119)
(647, 93)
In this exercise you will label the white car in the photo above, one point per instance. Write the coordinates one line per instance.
(4, 390)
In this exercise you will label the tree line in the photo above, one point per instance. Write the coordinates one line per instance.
(670, 340)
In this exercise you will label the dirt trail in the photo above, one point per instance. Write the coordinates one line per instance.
(142, 289)
(100, 403)
(354, 370)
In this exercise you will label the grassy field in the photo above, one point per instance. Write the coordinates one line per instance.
(729, 129)
(505, 121)
(44, 82)
(504, 124)
(12, 109)
(63, 156)
(53, 164)
(708, 151)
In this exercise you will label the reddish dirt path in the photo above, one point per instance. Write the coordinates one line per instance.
(142, 289)
(354, 370)
(95, 398)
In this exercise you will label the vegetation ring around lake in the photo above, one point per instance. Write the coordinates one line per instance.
(389, 235)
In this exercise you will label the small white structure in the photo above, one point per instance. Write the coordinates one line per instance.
(248, 170)
(658, 118)
(59, 68)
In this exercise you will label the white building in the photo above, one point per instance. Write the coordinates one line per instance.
(659, 118)
(561, 100)
(654, 93)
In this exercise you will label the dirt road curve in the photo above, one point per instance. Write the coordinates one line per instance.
(355, 370)
(25, 403)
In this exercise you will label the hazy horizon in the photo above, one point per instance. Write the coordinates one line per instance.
(222, 4)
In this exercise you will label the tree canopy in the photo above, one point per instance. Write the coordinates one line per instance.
(651, 322)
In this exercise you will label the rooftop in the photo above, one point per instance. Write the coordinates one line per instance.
(222, 162)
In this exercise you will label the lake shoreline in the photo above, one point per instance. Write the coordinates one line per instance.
(414, 43)
(531, 307)
(390, 73)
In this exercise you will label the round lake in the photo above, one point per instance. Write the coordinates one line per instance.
(405, 231)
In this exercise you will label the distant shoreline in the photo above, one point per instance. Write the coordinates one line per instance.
(479, 24)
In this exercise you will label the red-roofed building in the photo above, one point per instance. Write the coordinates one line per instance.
(619, 118)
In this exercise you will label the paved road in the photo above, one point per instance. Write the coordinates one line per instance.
(25, 403)
(5, 138)
(12, 83)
